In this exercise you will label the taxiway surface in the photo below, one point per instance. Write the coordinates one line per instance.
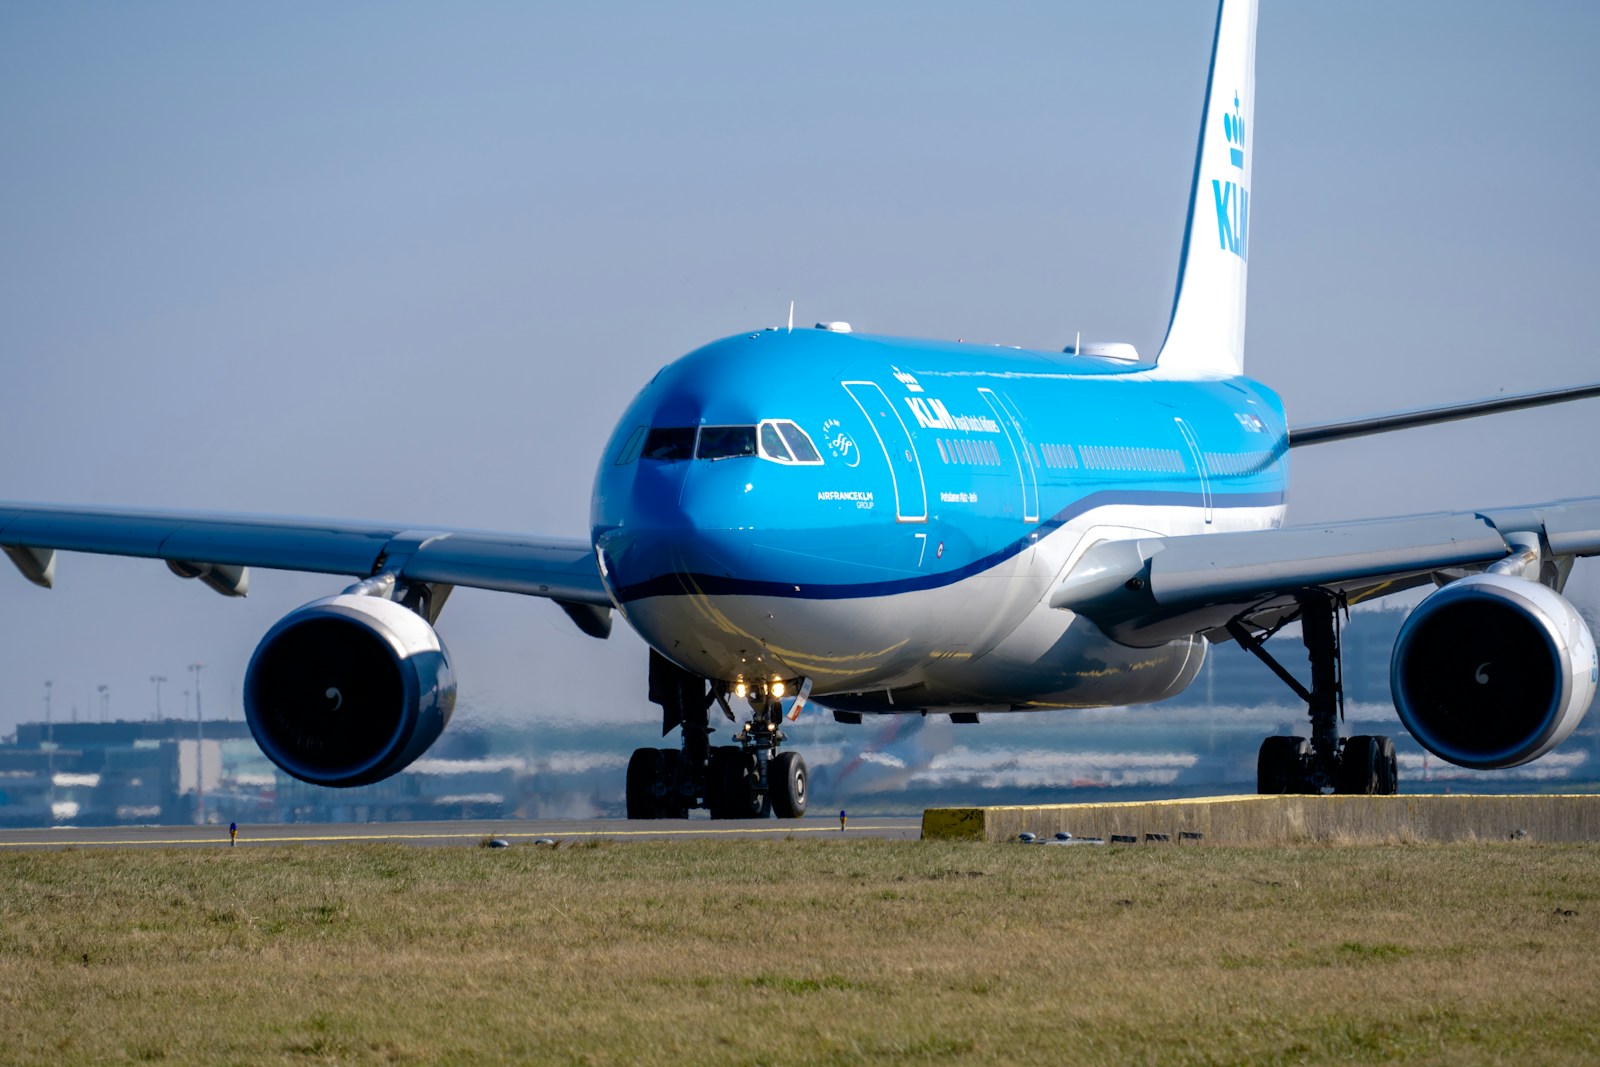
(466, 832)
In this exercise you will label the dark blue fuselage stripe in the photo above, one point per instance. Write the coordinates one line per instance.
(681, 584)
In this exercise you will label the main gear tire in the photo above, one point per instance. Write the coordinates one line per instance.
(671, 791)
(730, 784)
(1358, 767)
(644, 776)
(1280, 765)
(1388, 767)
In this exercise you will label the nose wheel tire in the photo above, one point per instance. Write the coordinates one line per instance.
(786, 784)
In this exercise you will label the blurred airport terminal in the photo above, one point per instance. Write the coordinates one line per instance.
(1202, 743)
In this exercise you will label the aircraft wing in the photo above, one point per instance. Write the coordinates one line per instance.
(218, 548)
(1146, 591)
(1405, 420)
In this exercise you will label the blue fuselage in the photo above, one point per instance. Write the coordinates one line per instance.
(886, 516)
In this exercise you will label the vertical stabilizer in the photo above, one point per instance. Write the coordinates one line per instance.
(1206, 335)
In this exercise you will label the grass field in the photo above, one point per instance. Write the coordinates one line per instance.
(829, 951)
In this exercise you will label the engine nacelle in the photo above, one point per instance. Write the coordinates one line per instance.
(348, 690)
(1493, 671)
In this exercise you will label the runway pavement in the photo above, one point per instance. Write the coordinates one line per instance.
(469, 832)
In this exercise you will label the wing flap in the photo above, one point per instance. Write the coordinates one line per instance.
(559, 568)
(549, 567)
(1245, 566)
(1570, 527)
(1147, 591)
(279, 544)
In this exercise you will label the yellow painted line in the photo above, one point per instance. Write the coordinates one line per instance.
(391, 836)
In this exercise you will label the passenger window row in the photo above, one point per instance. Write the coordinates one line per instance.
(1059, 456)
(961, 450)
(1121, 458)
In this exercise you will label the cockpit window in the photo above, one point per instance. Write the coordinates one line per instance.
(630, 451)
(668, 443)
(726, 442)
(799, 444)
(778, 440)
(772, 446)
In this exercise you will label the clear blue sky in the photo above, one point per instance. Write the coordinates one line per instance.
(401, 262)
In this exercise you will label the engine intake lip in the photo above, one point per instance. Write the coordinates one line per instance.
(348, 690)
(1480, 676)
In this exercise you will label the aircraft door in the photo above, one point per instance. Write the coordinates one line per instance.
(1199, 464)
(910, 493)
(1011, 425)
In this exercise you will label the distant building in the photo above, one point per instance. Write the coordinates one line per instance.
(102, 774)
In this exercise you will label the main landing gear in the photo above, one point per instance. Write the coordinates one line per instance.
(1357, 765)
(749, 779)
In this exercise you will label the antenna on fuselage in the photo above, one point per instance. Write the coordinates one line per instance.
(791, 316)
(1077, 344)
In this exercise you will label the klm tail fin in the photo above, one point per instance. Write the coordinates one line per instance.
(1206, 335)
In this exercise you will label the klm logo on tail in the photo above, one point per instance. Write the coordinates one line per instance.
(1232, 199)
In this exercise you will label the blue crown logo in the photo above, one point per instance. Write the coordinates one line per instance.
(1233, 126)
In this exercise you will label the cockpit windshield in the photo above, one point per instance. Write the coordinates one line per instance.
(799, 444)
(669, 443)
(778, 440)
(772, 445)
(726, 442)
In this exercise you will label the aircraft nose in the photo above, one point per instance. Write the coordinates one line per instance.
(677, 534)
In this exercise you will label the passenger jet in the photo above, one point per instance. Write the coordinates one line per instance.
(888, 526)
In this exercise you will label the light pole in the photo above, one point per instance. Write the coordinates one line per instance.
(158, 679)
(105, 700)
(49, 740)
(199, 749)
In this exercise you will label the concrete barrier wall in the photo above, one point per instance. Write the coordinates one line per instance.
(1278, 820)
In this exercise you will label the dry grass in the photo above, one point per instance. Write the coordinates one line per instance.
(803, 951)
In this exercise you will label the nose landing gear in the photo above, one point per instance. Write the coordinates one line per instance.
(750, 779)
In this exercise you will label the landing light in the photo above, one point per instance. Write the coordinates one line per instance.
(777, 690)
(739, 690)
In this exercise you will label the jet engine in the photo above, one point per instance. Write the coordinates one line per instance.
(348, 690)
(1493, 671)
